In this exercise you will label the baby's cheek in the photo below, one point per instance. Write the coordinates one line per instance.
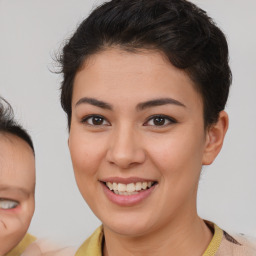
(12, 225)
(27, 212)
(2, 227)
(12, 231)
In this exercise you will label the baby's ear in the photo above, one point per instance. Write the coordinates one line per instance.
(214, 138)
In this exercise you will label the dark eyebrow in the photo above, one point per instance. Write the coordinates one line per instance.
(94, 102)
(158, 102)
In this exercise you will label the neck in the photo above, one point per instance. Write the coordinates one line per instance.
(180, 237)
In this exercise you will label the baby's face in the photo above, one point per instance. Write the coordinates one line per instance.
(17, 185)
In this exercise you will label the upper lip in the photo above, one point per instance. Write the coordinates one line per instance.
(126, 180)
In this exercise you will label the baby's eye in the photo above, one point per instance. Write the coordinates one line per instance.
(160, 120)
(95, 120)
(8, 204)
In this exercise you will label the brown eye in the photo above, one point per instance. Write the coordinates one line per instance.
(160, 120)
(96, 120)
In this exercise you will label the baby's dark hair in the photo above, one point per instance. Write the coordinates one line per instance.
(8, 125)
(179, 29)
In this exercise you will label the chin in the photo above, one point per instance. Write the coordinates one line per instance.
(130, 227)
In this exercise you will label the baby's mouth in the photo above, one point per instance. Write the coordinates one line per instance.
(129, 189)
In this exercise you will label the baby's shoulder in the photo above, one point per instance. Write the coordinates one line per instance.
(44, 247)
(21, 247)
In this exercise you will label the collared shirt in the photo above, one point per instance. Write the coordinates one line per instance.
(222, 244)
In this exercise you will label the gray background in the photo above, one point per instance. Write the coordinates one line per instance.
(31, 31)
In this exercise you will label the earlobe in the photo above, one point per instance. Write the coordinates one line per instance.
(214, 138)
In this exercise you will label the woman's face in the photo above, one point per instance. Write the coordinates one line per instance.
(137, 140)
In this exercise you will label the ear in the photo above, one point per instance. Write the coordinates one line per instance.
(214, 138)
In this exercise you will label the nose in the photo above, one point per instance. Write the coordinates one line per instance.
(125, 148)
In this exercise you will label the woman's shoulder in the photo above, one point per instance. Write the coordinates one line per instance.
(224, 243)
(236, 245)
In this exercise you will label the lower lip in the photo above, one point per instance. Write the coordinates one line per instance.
(130, 200)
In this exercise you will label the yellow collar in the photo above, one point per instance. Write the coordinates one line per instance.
(215, 242)
(93, 245)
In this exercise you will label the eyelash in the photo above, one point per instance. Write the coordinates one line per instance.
(163, 117)
(87, 118)
(7, 204)
(105, 122)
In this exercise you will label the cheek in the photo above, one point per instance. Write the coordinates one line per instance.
(19, 218)
(13, 228)
(179, 164)
(28, 211)
(178, 155)
(85, 154)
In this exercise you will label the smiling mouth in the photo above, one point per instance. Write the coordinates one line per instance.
(129, 189)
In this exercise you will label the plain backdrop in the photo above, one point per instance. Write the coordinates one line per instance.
(32, 31)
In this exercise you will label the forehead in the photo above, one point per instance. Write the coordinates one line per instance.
(117, 74)
(17, 162)
(115, 63)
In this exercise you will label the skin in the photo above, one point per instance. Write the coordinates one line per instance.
(129, 142)
(17, 184)
(46, 248)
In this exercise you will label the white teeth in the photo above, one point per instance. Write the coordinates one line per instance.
(128, 189)
(144, 185)
(114, 186)
(121, 187)
(138, 186)
(110, 185)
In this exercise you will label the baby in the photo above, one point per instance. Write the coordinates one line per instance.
(17, 188)
(17, 184)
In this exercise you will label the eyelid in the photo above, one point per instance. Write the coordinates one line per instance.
(170, 119)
